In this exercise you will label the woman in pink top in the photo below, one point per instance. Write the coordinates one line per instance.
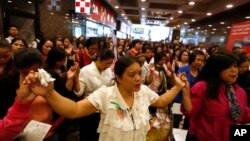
(217, 101)
(18, 114)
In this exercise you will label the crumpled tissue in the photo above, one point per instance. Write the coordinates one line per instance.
(45, 77)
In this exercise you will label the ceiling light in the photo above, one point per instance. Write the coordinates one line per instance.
(209, 14)
(67, 14)
(123, 14)
(225, 32)
(29, 2)
(214, 29)
(228, 27)
(198, 28)
(230, 6)
(116, 7)
(180, 11)
(210, 25)
(142, 8)
(143, 16)
(185, 23)
(222, 22)
(171, 18)
(212, 32)
(143, 0)
(66, 17)
(125, 18)
(191, 3)
(247, 17)
(178, 26)
(193, 20)
(9, 1)
(52, 13)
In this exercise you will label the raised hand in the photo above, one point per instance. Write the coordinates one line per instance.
(24, 93)
(73, 71)
(152, 67)
(180, 79)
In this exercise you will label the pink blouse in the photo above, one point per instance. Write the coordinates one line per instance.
(209, 119)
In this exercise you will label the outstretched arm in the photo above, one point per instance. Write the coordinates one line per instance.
(68, 108)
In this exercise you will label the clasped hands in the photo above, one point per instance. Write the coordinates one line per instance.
(31, 86)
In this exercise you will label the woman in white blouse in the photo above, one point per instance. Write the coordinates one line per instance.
(124, 106)
(91, 78)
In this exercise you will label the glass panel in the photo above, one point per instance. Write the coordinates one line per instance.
(22, 5)
(26, 27)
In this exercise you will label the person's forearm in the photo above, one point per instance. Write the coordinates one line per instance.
(68, 108)
(63, 106)
(186, 102)
(77, 86)
(168, 97)
(69, 84)
(149, 77)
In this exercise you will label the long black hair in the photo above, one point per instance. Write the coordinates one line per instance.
(211, 71)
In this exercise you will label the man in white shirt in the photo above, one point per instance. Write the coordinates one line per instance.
(13, 33)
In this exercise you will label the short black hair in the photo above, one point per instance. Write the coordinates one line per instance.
(17, 39)
(56, 54)
(27, 57)
(105, 54)
(193, 55)
(13, 25)
(122, 63)
(4, 44)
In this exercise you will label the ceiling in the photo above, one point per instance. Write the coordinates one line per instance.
(165, 12)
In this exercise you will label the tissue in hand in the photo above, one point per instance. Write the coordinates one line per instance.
(44, 77)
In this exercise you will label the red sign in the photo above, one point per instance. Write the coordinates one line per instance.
(102, 14)
(239, 36)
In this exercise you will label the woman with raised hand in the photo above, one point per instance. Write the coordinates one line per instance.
(217, 101)
(123, 107)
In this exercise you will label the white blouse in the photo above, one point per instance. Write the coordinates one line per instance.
(118, 122)
(91, 79)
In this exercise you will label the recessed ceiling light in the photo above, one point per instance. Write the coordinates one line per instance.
(143, 16)
(142, 8)
(214, 29)
(228, 27)
(67, 14)
(247, 17)
(66, 17)
(212, 32)
(125, 18)
(29, 2)
(229, 6)
(178, 26)
(222, 22)
(193, 20)
(143, 0)
(180, 11)
(9, 1)
(52, 13)
(225, 32)
(171, 18)
(185, 23)
(209, 14)
(210, 25)
(191, 3)
(116, 7)
(123, 14)
(198, 28)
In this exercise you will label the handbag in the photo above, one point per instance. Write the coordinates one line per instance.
(160, 129)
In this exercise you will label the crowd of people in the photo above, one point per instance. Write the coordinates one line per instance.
(109, 92)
